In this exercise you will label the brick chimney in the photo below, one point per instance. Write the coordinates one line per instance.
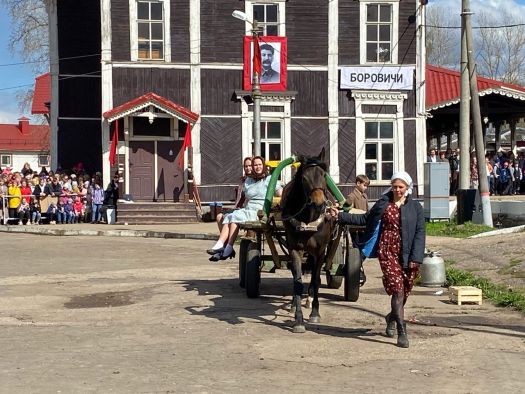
(23, 125)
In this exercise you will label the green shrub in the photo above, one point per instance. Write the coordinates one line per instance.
(452, 229)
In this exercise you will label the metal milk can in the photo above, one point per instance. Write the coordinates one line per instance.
(433, 270)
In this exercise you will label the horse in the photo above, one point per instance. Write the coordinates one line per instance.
(308, 229)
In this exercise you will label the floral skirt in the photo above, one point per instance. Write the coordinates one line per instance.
(396, 279)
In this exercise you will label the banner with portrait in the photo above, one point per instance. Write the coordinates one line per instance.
(274, 57)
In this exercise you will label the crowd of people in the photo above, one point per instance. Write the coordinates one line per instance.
(29, 197)
(505, 171)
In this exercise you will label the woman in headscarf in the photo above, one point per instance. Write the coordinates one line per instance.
(401, 245)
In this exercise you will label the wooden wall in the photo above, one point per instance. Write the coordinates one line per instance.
(129, 83)
(120, 40)
(312, 92)
(217, 87)
(347, 149)
(221, 34)
(410, 147)
(309, 136)
(79, 84)
(221, 150)
(348, 32)
(180, 31)
(307, 31)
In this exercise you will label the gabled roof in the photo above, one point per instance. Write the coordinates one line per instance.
(165, 105)
(42, 95)
(443, 87)
(12, 139)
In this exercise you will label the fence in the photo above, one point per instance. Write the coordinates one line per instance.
(43, 202)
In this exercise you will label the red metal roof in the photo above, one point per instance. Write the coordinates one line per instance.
(151, 99)
(443, 87)
(42, 95)
(12, 139)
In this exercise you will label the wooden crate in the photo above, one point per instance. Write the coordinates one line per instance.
(462, 294)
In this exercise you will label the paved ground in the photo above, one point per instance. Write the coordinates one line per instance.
(116, 314)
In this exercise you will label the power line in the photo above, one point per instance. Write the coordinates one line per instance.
(476, 27)
(60, 79)
(43, 61)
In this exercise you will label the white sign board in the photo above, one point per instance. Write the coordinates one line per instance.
(378, 78)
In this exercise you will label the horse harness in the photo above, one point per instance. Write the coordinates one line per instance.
(314, 225)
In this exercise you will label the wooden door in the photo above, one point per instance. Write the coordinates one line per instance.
(141, 170)
(170, 177)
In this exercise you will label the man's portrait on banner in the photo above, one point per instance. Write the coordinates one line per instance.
(273, 62)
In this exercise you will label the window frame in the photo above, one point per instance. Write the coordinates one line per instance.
(394, 36)
(41, 163)
(379, 143)
(8, 155)
(379, 97)
(281, 14)
(267, 141)
(133, 31)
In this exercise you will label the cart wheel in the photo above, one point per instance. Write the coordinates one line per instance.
(352, 270)
(243, 257)
(334, 281)
(253, 270)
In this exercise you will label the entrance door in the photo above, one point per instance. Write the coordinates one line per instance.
(141, 170)
(170, 182)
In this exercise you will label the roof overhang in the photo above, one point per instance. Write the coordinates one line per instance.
(502, 91)
(154, 100)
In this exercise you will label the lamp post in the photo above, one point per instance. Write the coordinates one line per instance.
(256, 87)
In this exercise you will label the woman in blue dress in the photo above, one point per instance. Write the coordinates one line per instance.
(254, 192)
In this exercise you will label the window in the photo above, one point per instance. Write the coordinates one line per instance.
(379, 150)
(267, 16)
(270, 14)
(271, 141)
(5, 160)
(43, 160)
(160, 127)
(379, 31)
(149, 30)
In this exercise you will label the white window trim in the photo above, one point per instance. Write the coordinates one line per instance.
(286, 130)
(40, 163)
(248, 10)
(10, 160)
(133, 32)
(379, 98)
(362, 30)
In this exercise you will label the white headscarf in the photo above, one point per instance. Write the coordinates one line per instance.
(403, 175)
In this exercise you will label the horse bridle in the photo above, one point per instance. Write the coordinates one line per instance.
(309, 200)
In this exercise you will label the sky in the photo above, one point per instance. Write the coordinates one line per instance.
(22, 75)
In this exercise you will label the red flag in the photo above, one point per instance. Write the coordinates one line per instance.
(185, 144)
(257, 62)
(114, 144)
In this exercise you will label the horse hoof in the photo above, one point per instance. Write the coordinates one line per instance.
(299, 329)
(314, 319)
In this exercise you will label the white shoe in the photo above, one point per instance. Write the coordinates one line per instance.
(20, 223)
(28, 223)
(52, 222)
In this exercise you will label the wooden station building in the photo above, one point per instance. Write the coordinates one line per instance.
(351, 72)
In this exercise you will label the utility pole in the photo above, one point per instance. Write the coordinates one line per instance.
(256, 95)
(464, 106)
(476, 118)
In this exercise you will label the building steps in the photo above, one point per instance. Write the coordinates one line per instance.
(156, 213)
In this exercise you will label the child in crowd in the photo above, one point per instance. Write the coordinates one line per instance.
(60, 213)
(69, 211)
(24, 213)
(52, 213)
(36, 216)
(98, 199)
(25, 190)
(78, 208)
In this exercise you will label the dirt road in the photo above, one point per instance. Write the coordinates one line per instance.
(154, 316)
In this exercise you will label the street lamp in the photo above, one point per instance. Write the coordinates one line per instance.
(256, 87)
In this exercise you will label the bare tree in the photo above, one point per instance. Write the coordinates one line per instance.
(29, 39)
(500, 50)
(441, 41)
